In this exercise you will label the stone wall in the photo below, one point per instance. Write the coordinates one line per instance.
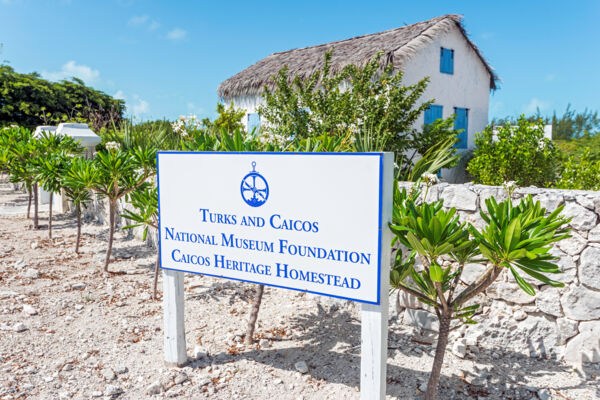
(562, 323)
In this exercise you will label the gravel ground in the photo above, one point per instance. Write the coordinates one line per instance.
(67, 331)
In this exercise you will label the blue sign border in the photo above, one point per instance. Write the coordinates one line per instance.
(380, 155)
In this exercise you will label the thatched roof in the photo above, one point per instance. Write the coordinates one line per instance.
(397, 45)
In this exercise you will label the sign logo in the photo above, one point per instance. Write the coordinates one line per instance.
(254, 188)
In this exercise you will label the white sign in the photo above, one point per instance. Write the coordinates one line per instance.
(308, 221)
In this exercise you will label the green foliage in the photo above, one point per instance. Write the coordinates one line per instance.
(581, 172)
(229, 119)
(517, 153)
(368, 104)
(77, 177)
(28, 100)
(435, 246)
(574, 125)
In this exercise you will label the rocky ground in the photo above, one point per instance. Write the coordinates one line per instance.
(67, 331)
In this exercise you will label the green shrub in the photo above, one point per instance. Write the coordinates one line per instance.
(517, 153)
(580, 172)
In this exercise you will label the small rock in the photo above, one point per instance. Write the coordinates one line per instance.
(459, 349)
(113, 390)
(520, 315)
(34, 245)
(78, 286)
(31, 273)
(179, 379)
(264, 343)
(154, 388)
(108, 374)
(121, 369)
(96, 394)
(199, 352)
(27, 309)
(19, 327)
(544, 394)
(301, 367)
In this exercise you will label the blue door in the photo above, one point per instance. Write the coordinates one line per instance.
(253, 122)
(462, 123)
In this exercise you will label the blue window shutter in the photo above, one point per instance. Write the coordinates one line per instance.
(462, 122)
(433, 113)
(253, 122)
(447, 61)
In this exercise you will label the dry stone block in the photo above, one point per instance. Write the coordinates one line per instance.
(509, 291)
(594, 234)
(589, 267)
(583, 219)
(471, 272)
(584, 347)
(585, 201)
(574, 245)
(548, 301)
(539, 334)
(550, 201)
(566, 329)
(421, 319)
(460, 197)
(581, 304)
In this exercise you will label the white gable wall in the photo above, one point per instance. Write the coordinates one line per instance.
(468, 87)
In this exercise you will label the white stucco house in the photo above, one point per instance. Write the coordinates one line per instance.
(460, 77)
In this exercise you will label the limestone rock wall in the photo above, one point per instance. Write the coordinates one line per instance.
(562, 323)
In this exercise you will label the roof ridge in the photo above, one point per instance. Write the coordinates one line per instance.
(439, 18)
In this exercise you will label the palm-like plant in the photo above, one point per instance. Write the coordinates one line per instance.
(145, 202)
(118, 173)
(50, 164)
(517, 238)
(76, 179)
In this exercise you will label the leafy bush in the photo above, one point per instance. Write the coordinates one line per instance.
(28, 100)
(580, 172)
(367, 103)
(517, 153)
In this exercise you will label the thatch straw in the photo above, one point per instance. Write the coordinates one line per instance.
(398, 45)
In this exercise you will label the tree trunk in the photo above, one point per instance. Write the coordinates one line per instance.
(156, 269)
(440, 350)
(111, 232)
(78, 209)
(35, 207)
(50, 218)
(254, 313)
(29, 202)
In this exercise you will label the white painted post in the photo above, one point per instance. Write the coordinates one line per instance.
(175, 349)
(374, 318)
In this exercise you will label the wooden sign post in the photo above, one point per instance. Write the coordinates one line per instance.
(313, 222)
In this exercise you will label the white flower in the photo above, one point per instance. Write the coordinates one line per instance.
(112, 146)
(510, 184)
(430, 179)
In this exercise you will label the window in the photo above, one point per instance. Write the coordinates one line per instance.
(433, 113)
(447, 61)
(253, 122)
(462, 123)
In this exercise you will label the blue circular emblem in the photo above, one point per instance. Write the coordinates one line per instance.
(254, 188)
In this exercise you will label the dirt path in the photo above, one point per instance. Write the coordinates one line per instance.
(68, 332)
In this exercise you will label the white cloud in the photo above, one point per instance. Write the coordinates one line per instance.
(138, 20)
(143, 21)
(176, 34)
(535, 104)
(72, 69)
(140, 106)
(119, 95)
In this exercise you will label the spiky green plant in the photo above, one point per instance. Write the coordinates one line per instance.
(517, 238)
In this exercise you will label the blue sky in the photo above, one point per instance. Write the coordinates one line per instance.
(166, 58)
